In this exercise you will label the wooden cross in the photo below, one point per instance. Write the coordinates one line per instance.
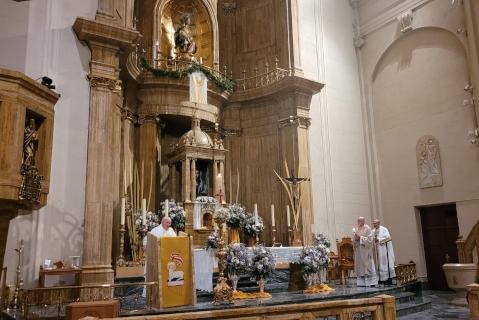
(220, 196)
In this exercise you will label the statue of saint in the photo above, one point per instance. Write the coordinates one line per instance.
(201, 183)
(184, 37)
(30, 143)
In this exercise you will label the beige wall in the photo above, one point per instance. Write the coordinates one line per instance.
(338, 156)
(42, 33)
(414, 86)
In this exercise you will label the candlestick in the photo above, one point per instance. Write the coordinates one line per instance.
(143, 211)
(167, 208)
(122, 211)
(256, 213)
(272, 216)
(288, 218)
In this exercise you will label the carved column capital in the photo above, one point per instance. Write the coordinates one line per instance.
(148, 118)
(127, 114)
(299, 121)
(97, 81)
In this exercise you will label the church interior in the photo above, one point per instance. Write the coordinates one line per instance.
(316, 159)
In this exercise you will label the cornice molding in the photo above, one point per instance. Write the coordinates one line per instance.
(390, 15)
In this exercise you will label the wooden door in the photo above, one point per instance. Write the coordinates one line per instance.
(439, 231)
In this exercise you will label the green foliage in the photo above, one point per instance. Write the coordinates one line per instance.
(223, 84)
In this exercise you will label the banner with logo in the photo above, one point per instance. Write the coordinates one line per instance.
(176, 272)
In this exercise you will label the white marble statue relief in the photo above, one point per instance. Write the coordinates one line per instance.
(428, 162)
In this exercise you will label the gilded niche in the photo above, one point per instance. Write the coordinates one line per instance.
(186, 32)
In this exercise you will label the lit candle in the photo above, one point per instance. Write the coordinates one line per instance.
(255, 213)
(143, 211)
(157, 48)
(122, 212)
(272, 215)
(166, 208)
(288, 219)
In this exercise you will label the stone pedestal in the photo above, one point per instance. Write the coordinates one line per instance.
(473, 300)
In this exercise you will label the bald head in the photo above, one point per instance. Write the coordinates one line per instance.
(166, 222)
(361, 221)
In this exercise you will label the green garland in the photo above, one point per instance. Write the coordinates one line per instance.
(223, 84)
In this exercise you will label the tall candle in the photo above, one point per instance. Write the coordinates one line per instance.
(122, 212)
(288, 219)
(255, 213)
(166, 208)
(272, 215)
(143, 211)
(157, 48)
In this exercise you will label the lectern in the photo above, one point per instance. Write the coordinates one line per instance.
(170, 263)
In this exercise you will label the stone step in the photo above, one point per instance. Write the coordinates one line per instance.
(404, 297)
(417, 305)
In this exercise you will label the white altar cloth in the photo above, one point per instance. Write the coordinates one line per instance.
(205, 262)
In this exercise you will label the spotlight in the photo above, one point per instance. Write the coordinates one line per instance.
(47, 82)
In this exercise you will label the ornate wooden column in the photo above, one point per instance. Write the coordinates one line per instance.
(147, 157)
(193, 179)
(105, 42)
(215, 179)
(174, 183)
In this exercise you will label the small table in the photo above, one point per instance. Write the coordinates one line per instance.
(59, 277)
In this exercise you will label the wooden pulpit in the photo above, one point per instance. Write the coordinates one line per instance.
(170, 263)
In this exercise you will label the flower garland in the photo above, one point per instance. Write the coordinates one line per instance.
(223, 84)
(262, 263)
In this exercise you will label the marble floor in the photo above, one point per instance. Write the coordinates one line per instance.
(441, 307)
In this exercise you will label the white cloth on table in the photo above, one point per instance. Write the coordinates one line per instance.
(384, 248)
(205, 262)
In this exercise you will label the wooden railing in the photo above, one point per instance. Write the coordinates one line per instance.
(51, 302)
(377, 308)
(466, 247)
(406, 272)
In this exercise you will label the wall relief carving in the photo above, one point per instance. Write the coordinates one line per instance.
(428, 162)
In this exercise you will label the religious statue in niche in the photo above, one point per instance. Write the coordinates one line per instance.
(428, 162)
(201, 181)
(30, 143)
(184, 41)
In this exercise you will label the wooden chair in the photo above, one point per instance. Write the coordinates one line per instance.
(345, 257)
(333, 266)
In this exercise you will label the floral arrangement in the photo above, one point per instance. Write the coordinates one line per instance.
(262, 263)
(176, 213)
(205, 199)
(316, 257)
(236, 258)
(320, 239)
(213, 241)
(222, 213)
(236, 216)
(250, 227)
(152, 221)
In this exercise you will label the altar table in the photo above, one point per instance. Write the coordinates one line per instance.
(205, 262)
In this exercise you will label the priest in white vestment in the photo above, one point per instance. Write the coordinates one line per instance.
(363, 255)
(384, 253)
(163, 230)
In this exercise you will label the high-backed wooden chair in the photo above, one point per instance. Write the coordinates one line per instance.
(345, 257)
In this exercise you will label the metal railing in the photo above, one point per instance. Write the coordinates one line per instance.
(406, 272)
(266, 78)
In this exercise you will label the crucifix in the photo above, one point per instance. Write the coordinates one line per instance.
(220, 195)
